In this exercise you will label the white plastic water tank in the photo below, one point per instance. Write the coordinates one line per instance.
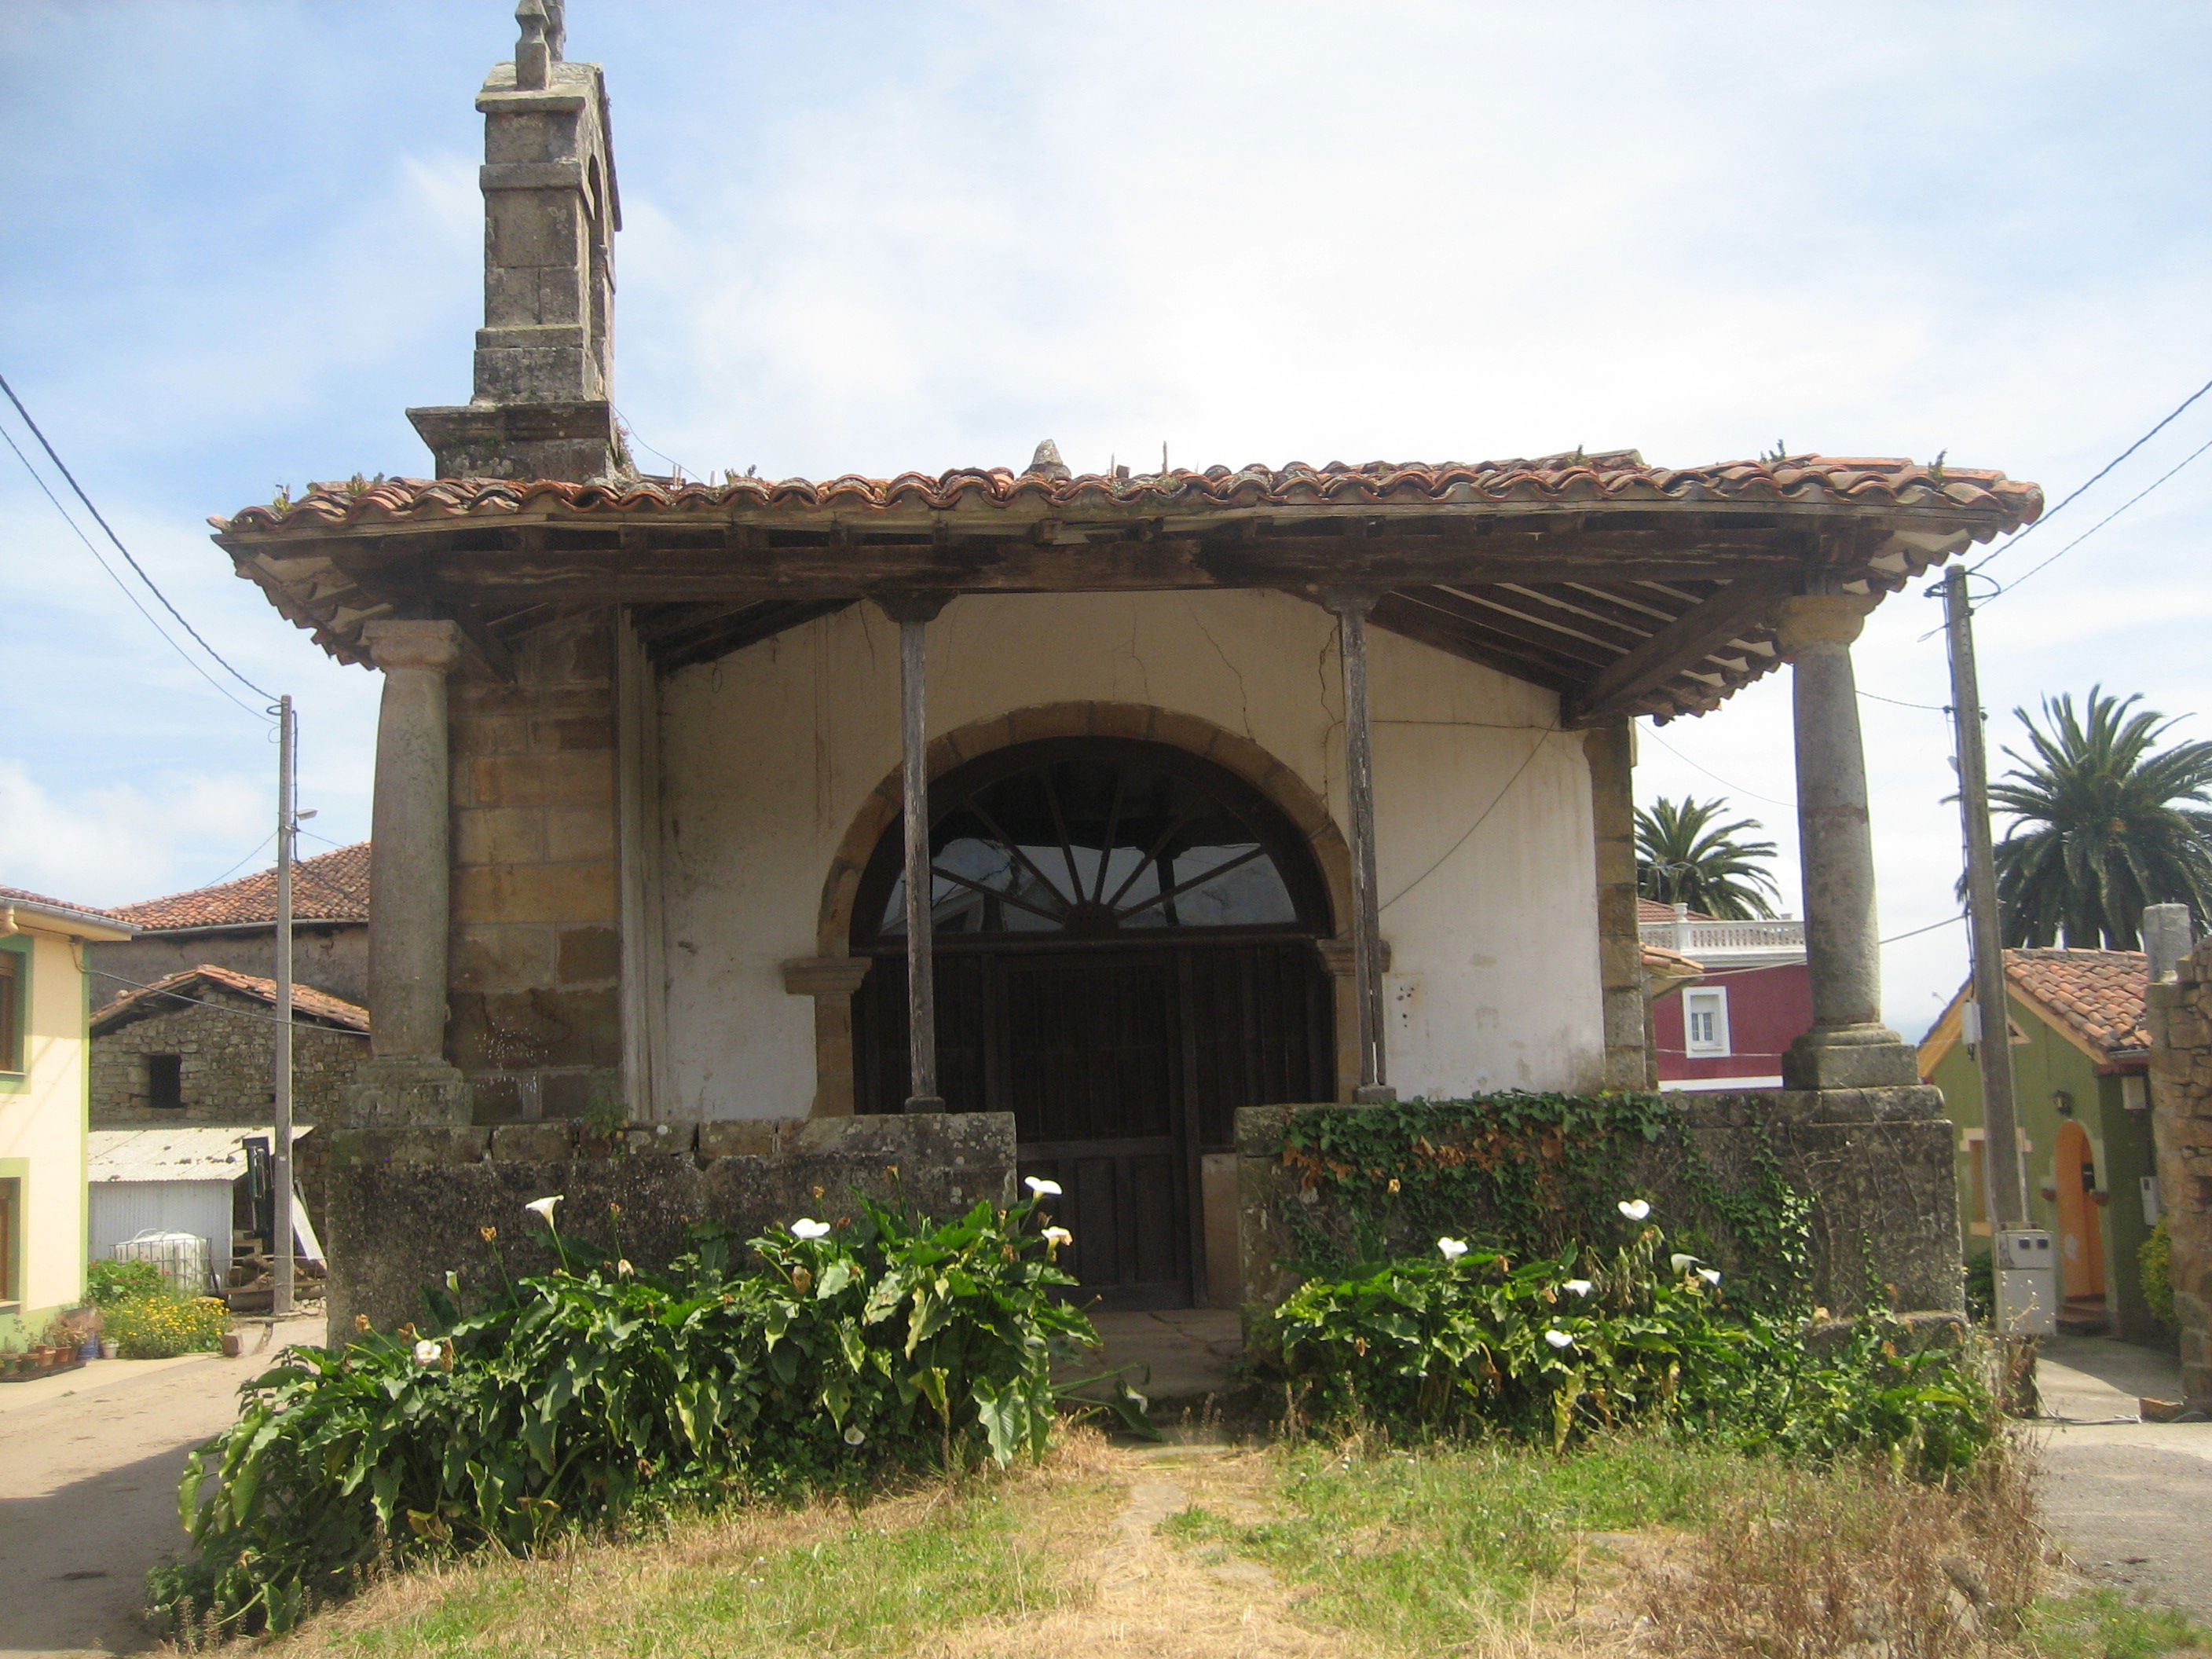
(181, 1257)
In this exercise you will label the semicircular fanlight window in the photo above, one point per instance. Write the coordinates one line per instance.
(1092, 845)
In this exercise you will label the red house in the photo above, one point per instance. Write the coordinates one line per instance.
(1728, 1029)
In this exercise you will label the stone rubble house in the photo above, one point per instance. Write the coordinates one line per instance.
(233, 925)
(198, 1047)
(1220, 788)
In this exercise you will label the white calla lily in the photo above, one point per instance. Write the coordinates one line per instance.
(1040, 1187)
(1579, 1286)
(1710, 1275)
(1634, 1208)
(544, 1206)
(1057, 1235)
(1451, 1249)
(806, 1227)
(1679, 1263)
(853, 1435)
(427, 1353)
(1559, 1339)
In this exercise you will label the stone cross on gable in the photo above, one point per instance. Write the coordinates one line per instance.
(544, 35)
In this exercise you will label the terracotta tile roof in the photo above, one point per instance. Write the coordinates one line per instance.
(1615, 477)
(1652, 910)
(1670, 964)
(2099, 995)
(330, 887)
(22, 897)
(306, 1000)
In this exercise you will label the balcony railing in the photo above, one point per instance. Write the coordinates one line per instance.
(1784, 937)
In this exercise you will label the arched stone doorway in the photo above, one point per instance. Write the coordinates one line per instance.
(1126, 950)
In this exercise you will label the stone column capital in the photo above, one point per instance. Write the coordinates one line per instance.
(824, 976)
(1812, 619)
(396, 644)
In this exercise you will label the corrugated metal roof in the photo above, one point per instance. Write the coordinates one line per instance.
(190, 1151)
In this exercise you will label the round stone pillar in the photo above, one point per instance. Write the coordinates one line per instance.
(1848, 1047)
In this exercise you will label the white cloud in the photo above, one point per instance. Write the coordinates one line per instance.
(116, 842)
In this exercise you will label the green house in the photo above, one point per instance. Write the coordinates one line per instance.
(2081, 1097)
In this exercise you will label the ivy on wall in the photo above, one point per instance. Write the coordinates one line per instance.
(1533, 1174)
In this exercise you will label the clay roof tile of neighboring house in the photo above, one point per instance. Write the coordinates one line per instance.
(22, 897)
(306, 1000)
(1613, 477)
(330, 887)
(1649, 909)
(2098, 993)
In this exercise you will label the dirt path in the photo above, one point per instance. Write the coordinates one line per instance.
(88, 1491)
(1150, 1598)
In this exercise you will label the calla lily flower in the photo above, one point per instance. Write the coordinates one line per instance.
(1679, 1263)
(1559, 1339)
(1451, 1249)
(1040, 1187)
(806, 1227)
(1057, 1235)
(1710, 1275)
(544, 1206)
(854, 1436)
(427, 1352)
(1634, 1208)
(1579, 1286)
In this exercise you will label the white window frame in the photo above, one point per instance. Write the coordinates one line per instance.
(1706, 998)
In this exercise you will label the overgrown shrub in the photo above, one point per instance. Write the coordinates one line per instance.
(106, 1283)
(2154, 1257)
(165, 1324)
(595, 1395)
(1463, 1340)
(1529, 1174)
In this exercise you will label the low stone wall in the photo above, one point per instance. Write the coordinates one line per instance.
(405, 1206)
(1876, 1162)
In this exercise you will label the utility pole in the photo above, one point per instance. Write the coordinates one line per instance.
(280, 1132)
(2007, 1174)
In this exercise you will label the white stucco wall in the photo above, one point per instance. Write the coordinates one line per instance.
(42, 1134)
(767, 756)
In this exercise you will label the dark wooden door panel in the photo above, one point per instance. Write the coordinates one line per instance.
(1128, 1205)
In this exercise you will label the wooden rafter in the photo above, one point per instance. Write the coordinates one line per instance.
(1680, 648)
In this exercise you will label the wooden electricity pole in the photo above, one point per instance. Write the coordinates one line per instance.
(2007, 1173)
(280, 1131)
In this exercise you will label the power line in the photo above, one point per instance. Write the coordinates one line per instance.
(63, 467)
(2095, 528)
(91, 547)
(2077, 494)
(1534, 750)
(1790, 805)
(1929, 928)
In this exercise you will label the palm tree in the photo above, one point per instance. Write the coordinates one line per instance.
(2102, 825)
(1683, 857)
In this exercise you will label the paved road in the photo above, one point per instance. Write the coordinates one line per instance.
(89, 1468)
(2132, 1501)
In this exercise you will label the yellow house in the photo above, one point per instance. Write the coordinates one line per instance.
(45, 1005)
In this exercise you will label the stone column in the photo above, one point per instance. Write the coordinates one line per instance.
(408, 1079)
(831, 981)
(1848, 1047)
(1611, 752)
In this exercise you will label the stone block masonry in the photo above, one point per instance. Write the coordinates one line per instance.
(405, 1207)
(2179, 1013)
(535, 974)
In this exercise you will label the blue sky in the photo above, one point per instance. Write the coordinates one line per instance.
(243, 238)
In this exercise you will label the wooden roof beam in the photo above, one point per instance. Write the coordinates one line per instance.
(1683, 645)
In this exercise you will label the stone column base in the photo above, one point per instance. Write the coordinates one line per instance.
(402, 1094)
(1849, 1057)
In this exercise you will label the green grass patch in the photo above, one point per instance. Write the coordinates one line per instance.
(1421, 1549)
(828, 1583)
(2103, 1624)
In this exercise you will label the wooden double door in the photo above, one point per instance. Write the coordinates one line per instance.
(1122, 1065)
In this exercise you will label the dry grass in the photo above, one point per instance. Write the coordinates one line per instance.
(1850, 1562)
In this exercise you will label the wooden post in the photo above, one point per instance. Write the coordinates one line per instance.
(1352, 605)
(913, 612)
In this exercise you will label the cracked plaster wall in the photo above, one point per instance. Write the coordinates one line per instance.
(768, 755)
